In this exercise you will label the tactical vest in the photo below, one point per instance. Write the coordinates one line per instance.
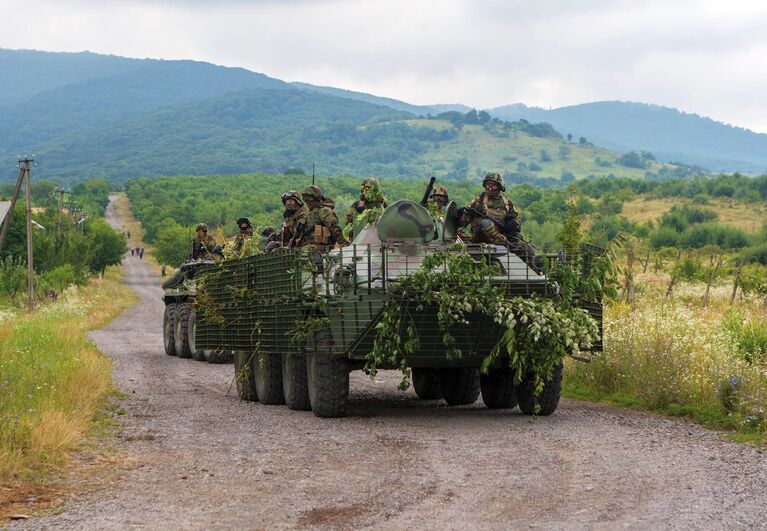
(316, 231)
(495, 211)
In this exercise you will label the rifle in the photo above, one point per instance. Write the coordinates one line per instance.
(427, 193)
(474, 213)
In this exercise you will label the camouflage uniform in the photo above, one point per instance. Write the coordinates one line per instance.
(319, 227)
(246, 232)
(203, 244)
(292, 217)
(371, 196)
(500, 208)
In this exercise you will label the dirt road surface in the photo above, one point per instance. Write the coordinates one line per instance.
(199, 458)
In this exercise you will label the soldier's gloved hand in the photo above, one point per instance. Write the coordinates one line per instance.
(459, 212)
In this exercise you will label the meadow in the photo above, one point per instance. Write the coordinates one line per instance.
(53, 380)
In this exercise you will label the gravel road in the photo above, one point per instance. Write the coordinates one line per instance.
(200, 458)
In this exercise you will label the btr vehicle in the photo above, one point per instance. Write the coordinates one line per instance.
(299, 322)
(179, 321)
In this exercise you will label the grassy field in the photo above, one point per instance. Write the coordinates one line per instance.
(52, 378)
(750, 217)
(677, 357)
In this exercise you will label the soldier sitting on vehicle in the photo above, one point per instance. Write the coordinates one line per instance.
(319, 227)
(371, 196)
(294, 211)
(494, 219)
(240, 245)
(439, 198)
(204, 244)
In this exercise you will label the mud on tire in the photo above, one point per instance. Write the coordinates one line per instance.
(547, 400)
(426, 383)
(267, 373)
(497, 388)
(327, 376)
(459, 386)
(243, 376)
(169, 329)
(181, 333)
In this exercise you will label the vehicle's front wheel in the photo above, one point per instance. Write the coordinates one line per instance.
(327, 376)
(267, 372)
(459, 386)
(426, 383)
(498, 388)
(547, 401)
(243, 376)
(181, 334)
(169, 329)
(295, 386)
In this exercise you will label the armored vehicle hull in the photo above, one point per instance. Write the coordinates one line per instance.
(300, 321)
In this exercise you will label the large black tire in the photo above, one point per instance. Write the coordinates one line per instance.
(243, 376)
(547, 400)
(181, 334)
(267, 373)
(295, 386)
(498, 388)
(169, 329)
(197, 354)
(459, 386)
(327, 376)
(426, 384)
(219, 355)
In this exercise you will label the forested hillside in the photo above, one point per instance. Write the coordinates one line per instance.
(668, 133)
(87, 115)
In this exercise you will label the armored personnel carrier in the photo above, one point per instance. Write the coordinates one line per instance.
(179, 320)
(253, 306)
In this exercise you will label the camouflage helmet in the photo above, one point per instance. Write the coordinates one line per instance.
(371, 189)
(292, 194)
(201, 226)
(496, 178)
(314, 191)
(439, 190)
(244, 221)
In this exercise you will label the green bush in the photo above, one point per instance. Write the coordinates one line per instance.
(664, 237)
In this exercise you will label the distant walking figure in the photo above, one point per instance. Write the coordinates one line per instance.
(131, 251)
(162, 269)
(141, 253)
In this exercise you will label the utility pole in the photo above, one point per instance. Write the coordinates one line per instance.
(24, 166)
(13, 204)
(61, 208)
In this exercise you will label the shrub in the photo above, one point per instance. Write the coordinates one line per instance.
(663, 237)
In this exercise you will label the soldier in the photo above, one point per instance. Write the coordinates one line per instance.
(246, 232)
(496, 220)
(294, 211)
(492, 203)
(319, 226)
(203, 244)
(371, 196)
(440, 198)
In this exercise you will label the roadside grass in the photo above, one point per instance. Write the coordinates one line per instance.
(53, 380)
(675, 357)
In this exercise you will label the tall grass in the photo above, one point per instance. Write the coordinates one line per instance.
(52, 378)
(675, 356)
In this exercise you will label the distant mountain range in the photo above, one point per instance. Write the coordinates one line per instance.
(86, 115)
(669, 134)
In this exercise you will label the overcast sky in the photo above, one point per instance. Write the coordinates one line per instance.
(708, 57)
